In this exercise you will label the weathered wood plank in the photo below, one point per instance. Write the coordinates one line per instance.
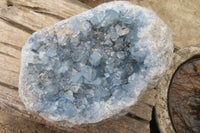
(140, 110)
(14, 124)
(12, 36)
(32, 16)
(9, 77)
(61, 8)
(122, 125)
(10, 51)
(143, 108)
(9, 68)
(26, 19)
(9, 63)
(3, 4)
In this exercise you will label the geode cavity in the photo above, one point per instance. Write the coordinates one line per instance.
(94, 65)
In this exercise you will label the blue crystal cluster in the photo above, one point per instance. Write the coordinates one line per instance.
(85, 68)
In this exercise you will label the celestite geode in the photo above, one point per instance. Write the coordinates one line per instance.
(94, 66)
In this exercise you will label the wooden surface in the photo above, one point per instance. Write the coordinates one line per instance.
(18, 20)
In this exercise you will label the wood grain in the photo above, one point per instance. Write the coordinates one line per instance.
(18, 20)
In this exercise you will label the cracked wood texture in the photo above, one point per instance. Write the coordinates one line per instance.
(18, 20)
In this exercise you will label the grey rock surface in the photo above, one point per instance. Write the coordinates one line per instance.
(95, 65)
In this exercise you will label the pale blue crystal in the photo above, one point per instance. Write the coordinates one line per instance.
(78, 55)
(110, 17)
(97, 18)
(51, 52)
(121, 55)
(108, 42)
(88, 73)
(113, 34)
(69, 95)
(77, 77)
(95, 58)
(119, 44)
(69, 109)
(36, 46)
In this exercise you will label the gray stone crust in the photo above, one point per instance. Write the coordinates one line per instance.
(95, 65)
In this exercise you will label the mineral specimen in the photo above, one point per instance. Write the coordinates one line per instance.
(94, 66)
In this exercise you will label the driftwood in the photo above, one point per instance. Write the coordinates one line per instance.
(18, 20)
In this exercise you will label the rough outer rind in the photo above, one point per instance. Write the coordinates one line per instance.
(162, 113)
(151, 48)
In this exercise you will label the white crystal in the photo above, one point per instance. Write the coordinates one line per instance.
(95, 58)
